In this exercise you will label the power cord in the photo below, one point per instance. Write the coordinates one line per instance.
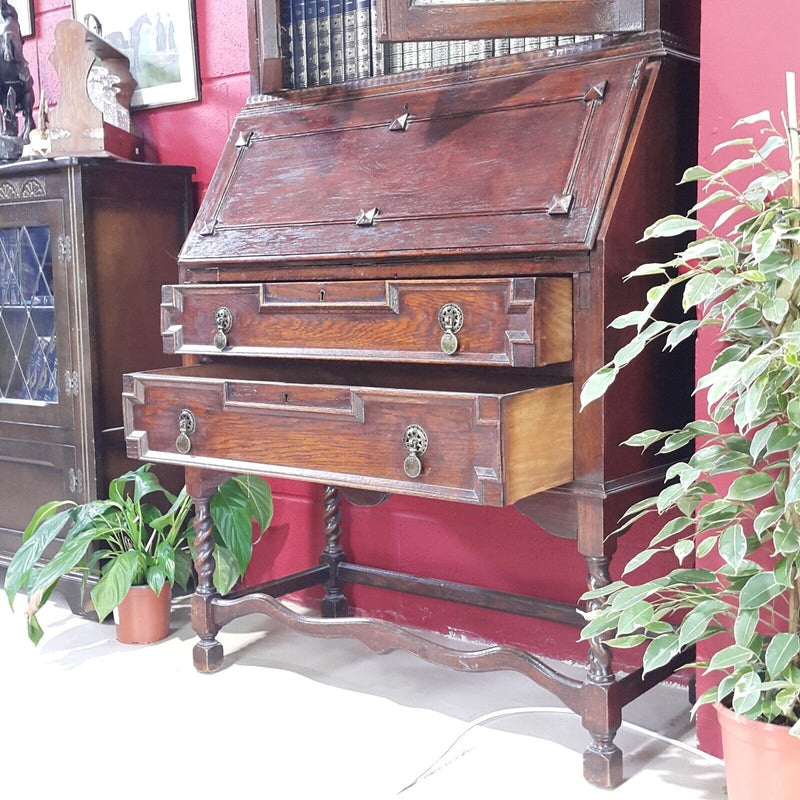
(509, 712)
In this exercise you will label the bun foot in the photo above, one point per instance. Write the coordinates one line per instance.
(208, 656)
(602, 765)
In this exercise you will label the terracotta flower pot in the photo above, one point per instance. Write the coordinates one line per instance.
(143, 616)
(761, 760)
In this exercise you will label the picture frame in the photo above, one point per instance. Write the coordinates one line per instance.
(160, 39)
(25, 15)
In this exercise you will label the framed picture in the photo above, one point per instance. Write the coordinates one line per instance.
(159, 38)
(25, 14)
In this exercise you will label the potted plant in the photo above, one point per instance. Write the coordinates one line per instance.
(138, 550)
(734, 502)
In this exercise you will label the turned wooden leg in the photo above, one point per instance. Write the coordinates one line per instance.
(334, 604)
(602, 714)
(207, 653)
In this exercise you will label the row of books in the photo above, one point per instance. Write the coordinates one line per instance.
(329, 41)
(41, 381)
(402, 56)
(333, 41)
(16, 291)
(28, 289)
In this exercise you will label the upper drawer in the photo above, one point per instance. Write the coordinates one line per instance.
(518, 322)
(490, 161)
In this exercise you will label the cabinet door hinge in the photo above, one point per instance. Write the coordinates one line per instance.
(71, 386)
(75, 481)
(64, 249)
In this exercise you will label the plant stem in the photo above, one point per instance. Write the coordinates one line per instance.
(794, 156)
(794, 137)
(791, 292)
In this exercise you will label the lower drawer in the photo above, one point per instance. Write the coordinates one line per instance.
(470, 435)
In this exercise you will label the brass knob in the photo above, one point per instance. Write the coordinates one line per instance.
(187, 425)
(415, 440)
(451, 320)
(223, 321)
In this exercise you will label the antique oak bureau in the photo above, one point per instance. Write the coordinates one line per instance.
(399, 287)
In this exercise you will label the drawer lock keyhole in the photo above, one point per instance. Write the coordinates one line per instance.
(187, 425)
(451, 320)
(415, 441)
(223, 321)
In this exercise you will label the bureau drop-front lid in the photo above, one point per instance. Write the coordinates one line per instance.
(489, 161)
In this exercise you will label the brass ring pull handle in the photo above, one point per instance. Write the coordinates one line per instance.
(187, 425)
(415, 440)
(451, 320)
(223, 321)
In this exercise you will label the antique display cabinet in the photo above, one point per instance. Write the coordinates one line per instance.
(84, 245)
(400, 286)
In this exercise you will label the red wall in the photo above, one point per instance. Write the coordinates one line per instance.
(746, 48)
(191, 133)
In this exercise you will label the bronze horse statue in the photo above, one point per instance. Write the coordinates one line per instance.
(16, 83)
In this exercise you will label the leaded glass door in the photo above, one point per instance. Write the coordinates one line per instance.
(35, 352)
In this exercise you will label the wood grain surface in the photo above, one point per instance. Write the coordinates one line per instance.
(506, 144)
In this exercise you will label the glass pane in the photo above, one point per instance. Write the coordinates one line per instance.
(455, 2)
(402, 56)
(341, 44)
(28, 349)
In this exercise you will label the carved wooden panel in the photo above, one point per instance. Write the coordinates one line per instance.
(30, 473)
(22, 188)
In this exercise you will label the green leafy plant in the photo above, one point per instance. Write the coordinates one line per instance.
(736, 498)
(135, 543)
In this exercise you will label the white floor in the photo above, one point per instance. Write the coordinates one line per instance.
(295, 717)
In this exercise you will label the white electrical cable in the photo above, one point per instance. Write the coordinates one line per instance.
(508, 712)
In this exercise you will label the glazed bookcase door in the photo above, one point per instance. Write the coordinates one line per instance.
(425, 20)
(35, 351)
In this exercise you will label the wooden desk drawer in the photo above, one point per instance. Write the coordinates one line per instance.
(519, 322)
(491, 439)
